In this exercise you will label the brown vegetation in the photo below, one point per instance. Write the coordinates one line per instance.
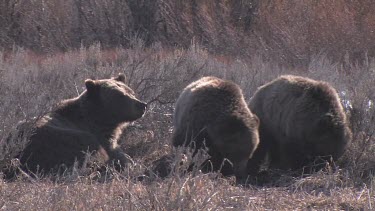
(158, 75)
(47, 48)
(288, 32)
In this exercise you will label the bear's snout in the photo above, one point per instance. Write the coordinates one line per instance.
(141, 106)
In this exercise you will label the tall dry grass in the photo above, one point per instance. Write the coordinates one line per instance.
(284, 31)
(31, 85)
(341, 29)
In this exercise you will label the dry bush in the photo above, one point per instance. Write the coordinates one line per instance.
(295, 31)
(31, 85)
(50, 26)
(287, 32)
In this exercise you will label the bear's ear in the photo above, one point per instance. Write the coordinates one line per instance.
(91, 86)
(121, 77)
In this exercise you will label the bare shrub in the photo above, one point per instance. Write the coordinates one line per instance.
(32, 84)
(287, 32)
(295, 31)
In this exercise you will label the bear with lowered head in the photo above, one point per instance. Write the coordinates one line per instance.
(302, 124)
(212, 113)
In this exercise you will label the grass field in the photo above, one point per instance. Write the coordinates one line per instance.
(31, 85)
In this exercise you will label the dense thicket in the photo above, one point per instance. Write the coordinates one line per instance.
(285, 31)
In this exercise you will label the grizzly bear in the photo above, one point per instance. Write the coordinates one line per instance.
(212, 114)
(91, 122)
(302, 123)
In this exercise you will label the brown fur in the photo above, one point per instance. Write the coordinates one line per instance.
(91, 122)
(301, 120)
(213, 111)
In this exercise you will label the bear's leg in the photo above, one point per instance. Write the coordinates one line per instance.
(306, 159)
(119, 158)
(287, 154)
(255, 162)
(266, 142)
(297, 156)
(179, 137)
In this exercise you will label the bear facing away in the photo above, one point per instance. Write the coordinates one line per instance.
(212, 113)
(91, 122)
(301, 122)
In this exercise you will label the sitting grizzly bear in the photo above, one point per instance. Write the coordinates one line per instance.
(301, 122)
(212, 113)
(91, 122)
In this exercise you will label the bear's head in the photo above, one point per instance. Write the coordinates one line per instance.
(235, 139)
(114, 99)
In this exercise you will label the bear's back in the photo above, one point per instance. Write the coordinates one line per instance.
(203, 100)
(294, 104)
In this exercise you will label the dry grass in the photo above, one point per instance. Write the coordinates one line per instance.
(296, 30)
(31, 85)
(286, 31)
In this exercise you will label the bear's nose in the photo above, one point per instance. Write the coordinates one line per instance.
(141, 106)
